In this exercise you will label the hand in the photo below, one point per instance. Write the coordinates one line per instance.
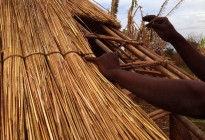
(106, 63)
(162, 27)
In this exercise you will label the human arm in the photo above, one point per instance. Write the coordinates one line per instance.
(194, 60)
(183, 97)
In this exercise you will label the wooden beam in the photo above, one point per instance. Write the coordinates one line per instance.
(151, 55)
(159, 116)
(98, 42)
(156, 112)
(142, 55)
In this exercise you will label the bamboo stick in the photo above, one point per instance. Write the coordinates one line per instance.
(156, 112)
(155, 57)
(106, 49)
(160, 115)
(142, 55)
(112, 45)
(143, 64)
(98, 36)
(98, 42)
(187, 74)
(132, 58)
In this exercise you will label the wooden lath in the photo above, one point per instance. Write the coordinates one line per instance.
(97, 36)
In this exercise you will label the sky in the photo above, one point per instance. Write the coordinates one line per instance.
(188, 19)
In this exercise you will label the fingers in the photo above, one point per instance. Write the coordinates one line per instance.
(156, 22)
(155, 26)
(91, 59)
(148, 18)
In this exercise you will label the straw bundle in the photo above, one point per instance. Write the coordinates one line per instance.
(86, 9)
(48, 91)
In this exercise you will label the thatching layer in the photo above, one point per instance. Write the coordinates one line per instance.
(48, 91)
(86, 9)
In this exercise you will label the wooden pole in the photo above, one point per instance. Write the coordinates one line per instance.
(185, 73)
(156, 112)
(150, 54)
(141, 54)
(97, 41)
(124, 55)
(112, 45)
(138, 64)
(163, 114)
(98, 36)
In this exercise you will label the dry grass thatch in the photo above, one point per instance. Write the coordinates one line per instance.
(48, 91)
(86, 9)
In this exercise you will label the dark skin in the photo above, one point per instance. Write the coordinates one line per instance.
(184, 97)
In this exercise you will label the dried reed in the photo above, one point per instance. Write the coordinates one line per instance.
(48, 91)
(85, 8)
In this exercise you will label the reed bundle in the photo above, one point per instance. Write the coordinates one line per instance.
(90, 11)
(49, 91)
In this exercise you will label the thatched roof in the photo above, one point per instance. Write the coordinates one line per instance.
(48, 91)
(87, 10)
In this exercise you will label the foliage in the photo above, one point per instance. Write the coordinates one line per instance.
(169, 52)
(198, 42)
(193, 40)
(200, 124)
(202, 43)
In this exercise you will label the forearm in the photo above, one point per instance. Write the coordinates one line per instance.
(177, 96)
(191, 56)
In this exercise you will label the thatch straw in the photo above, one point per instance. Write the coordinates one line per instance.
(49, 92)
(86, 9)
